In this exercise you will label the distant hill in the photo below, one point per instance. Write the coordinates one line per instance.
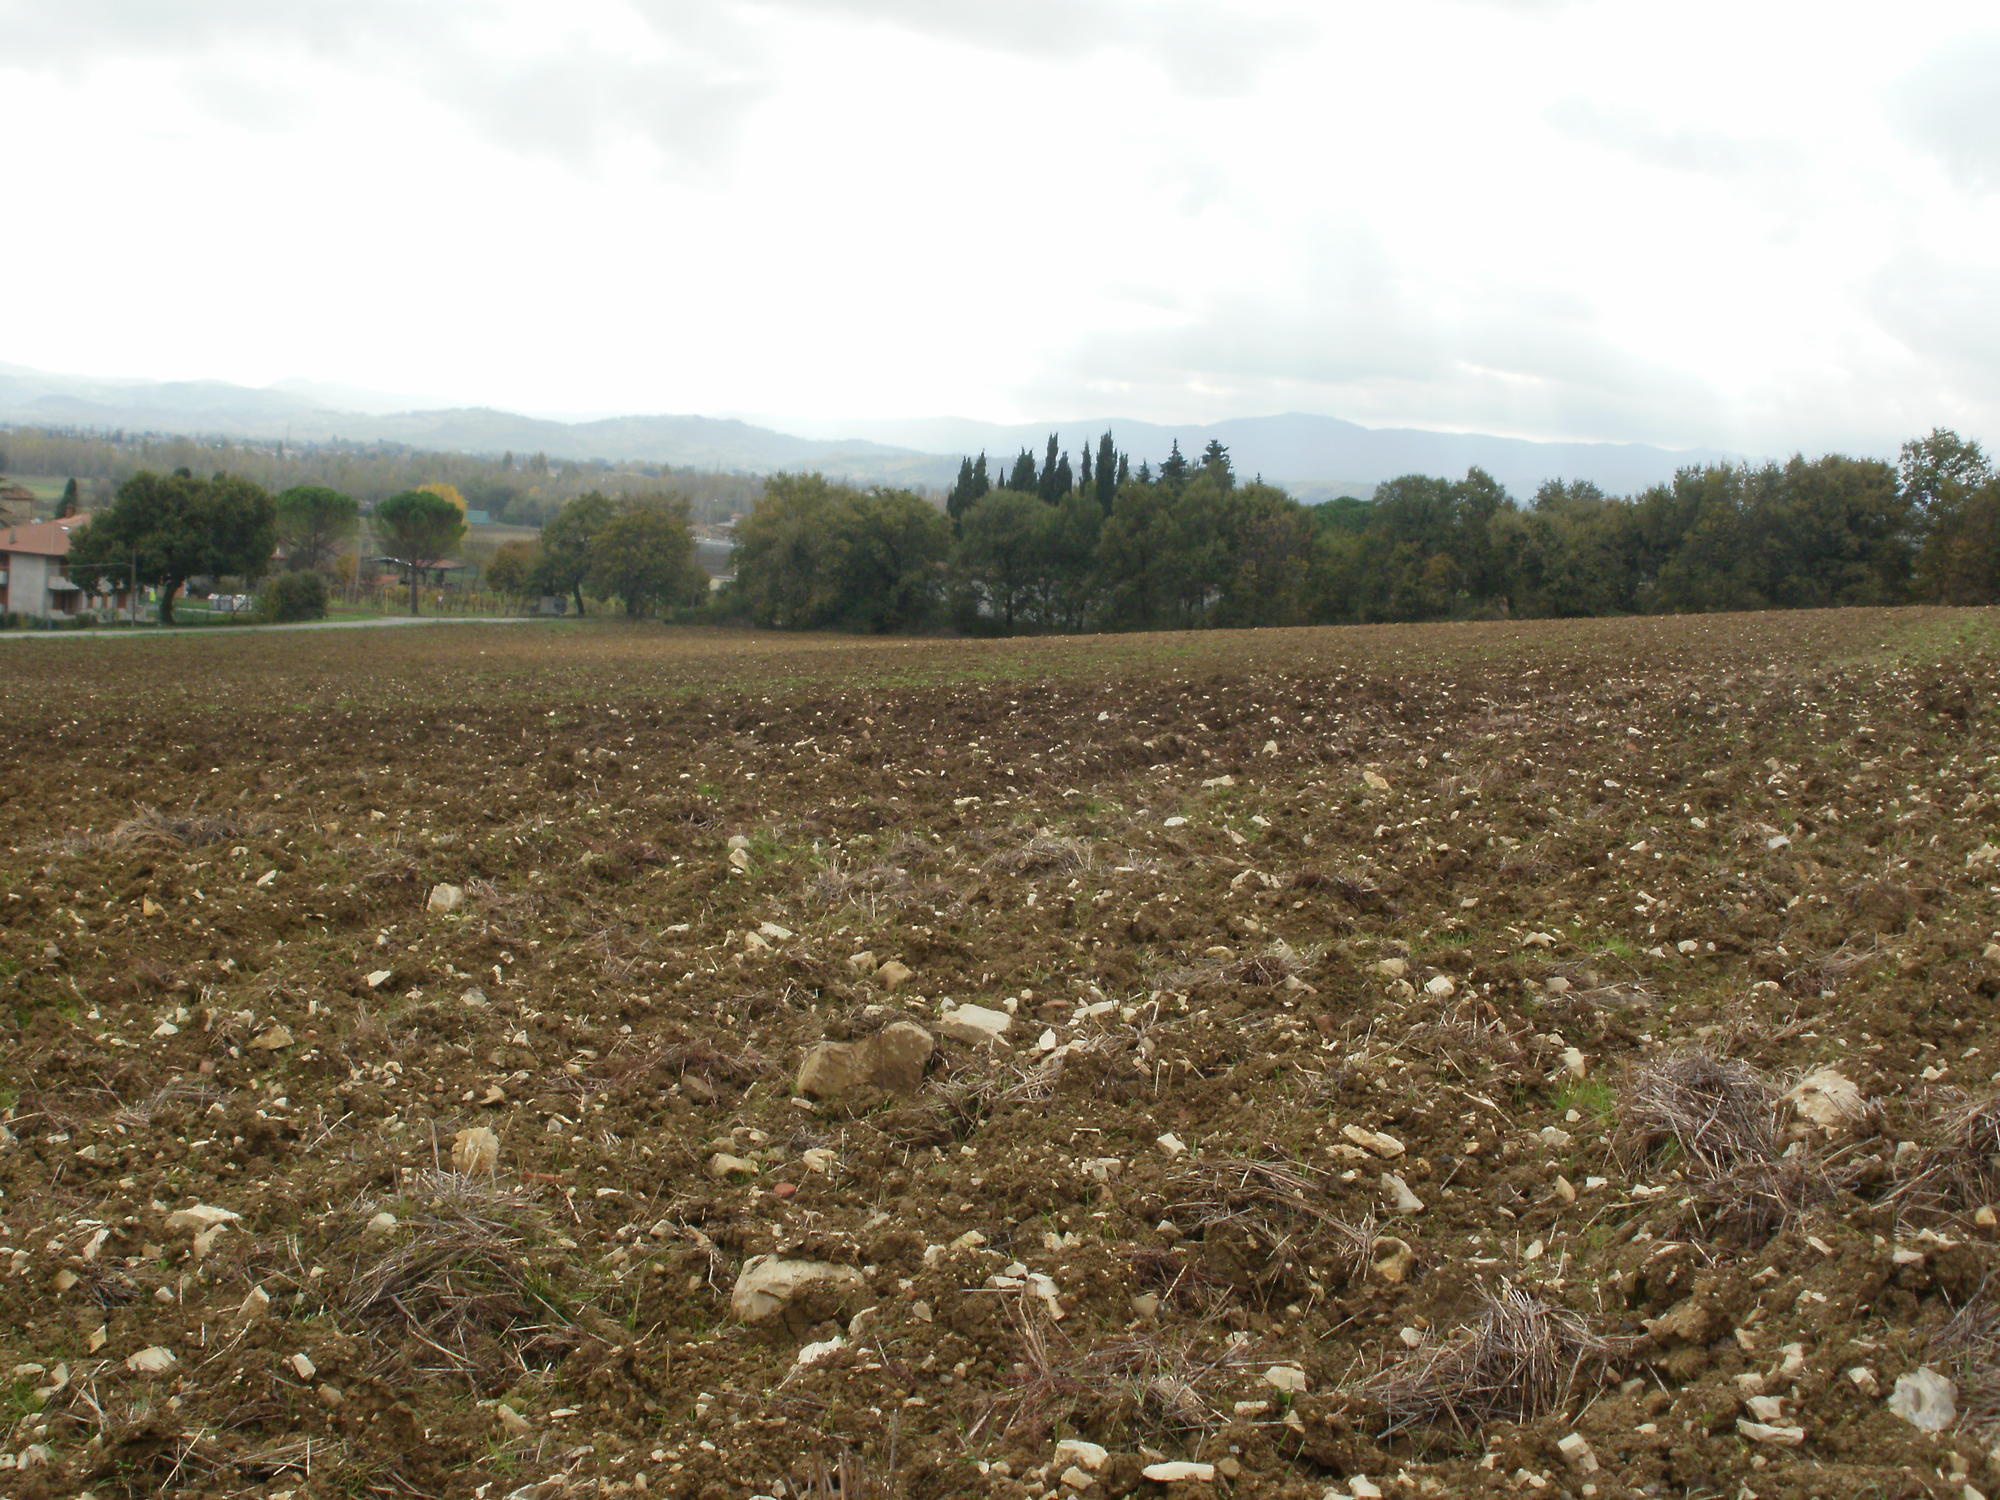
(1315, 457)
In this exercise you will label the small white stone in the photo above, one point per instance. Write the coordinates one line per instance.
(1764, 1432)
(1091, 1455)
(1170, 1473)
(445, 897)
(1288, 1378)
(1577, 1450)
(1172, 1144)
(1400, 1197)
(156, 1360)
(1925, 1399)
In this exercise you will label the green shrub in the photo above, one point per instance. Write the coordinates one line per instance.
(293, 596)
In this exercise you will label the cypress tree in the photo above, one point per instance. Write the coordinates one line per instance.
(1110, 470)
(961, 491)
(1175, 468)
(1023, 477)
(1215, 460)
(1065, 481)
(1084, 479)
(981, 486)
(1046, 486)
(1124, 470)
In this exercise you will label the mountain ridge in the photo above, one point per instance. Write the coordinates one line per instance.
(1314, 456)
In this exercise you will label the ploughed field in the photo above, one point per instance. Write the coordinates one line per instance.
(584, 1059)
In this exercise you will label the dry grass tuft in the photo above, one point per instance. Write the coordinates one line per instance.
(1521, 1361)
(150, 829)
(474, 1274)
(1270, 1218)
(1043, 853)
(1266, 969)
(1970, 1342)
(1961, 1165)
(1152, 1385)
(1722, 1113)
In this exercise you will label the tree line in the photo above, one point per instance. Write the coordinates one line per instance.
(1102, 545)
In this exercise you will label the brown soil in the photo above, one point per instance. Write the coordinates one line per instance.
(1544, 920)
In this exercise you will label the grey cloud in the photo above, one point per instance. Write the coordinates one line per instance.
(1630, 133)
(1948, 106)
(1357, 343)
(1203, 47)
(1946, 312)
(569, 102)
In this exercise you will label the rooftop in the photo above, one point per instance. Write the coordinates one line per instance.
(43, 538)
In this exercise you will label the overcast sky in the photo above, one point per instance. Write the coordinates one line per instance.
(1752, 226)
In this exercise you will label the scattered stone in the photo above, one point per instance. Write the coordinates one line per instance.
(201, 1216)
(1374, 1140)
(156, 1360)
(894, 975)
(975, 1025)
(1765, 1408)
(302, 1366)
(773, 931)
(1172, 1473)
(383, 1223)
(515, 1424)
(1829, 1099)
(814, 1353)
(1400, 1197)
(1925, 1399)
(275, 1040)
(1076, 1479)
(1375, 781)
(1288, 1378)
(380, 977)
(1091, 1455)
(1576, 1448)
(475, 1152)
(767, 1285)
(1172, 1144)
(1393, 968)
(1864, 1380)
(893, 1059)
(446, 897)
(1396, 1262)
(1441, 987)
(255, 1305)
(1764, 1432)
(722, 1166)
(862, 963)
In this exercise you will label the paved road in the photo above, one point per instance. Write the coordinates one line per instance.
(192, 632)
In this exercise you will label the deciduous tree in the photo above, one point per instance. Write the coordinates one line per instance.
(313, 520)
(174, 527)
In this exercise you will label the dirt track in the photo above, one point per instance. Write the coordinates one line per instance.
(1297, 931)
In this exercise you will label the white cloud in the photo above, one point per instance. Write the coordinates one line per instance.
(1751, 227)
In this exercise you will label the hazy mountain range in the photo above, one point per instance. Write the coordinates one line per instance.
(1315, 457)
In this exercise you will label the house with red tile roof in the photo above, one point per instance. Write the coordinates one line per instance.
(35, 577)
